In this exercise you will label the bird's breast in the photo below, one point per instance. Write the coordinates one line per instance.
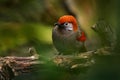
(66, 43)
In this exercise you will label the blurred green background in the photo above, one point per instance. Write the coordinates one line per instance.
(25, 23)
(29, 23)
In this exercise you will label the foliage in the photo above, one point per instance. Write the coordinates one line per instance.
(15, 34)
(26, 23)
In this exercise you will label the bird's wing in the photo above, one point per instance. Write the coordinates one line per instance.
(81, 36)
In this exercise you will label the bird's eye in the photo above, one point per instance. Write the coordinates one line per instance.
(66, 23)
(68, 26)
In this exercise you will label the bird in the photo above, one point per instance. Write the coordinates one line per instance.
(67, 36)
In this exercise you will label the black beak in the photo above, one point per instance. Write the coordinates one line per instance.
(61, 26)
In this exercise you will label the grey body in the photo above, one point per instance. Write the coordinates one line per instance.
(66, 42)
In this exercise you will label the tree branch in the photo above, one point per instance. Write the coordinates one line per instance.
(12, 66)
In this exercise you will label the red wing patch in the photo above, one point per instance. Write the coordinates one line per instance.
(82, 38)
